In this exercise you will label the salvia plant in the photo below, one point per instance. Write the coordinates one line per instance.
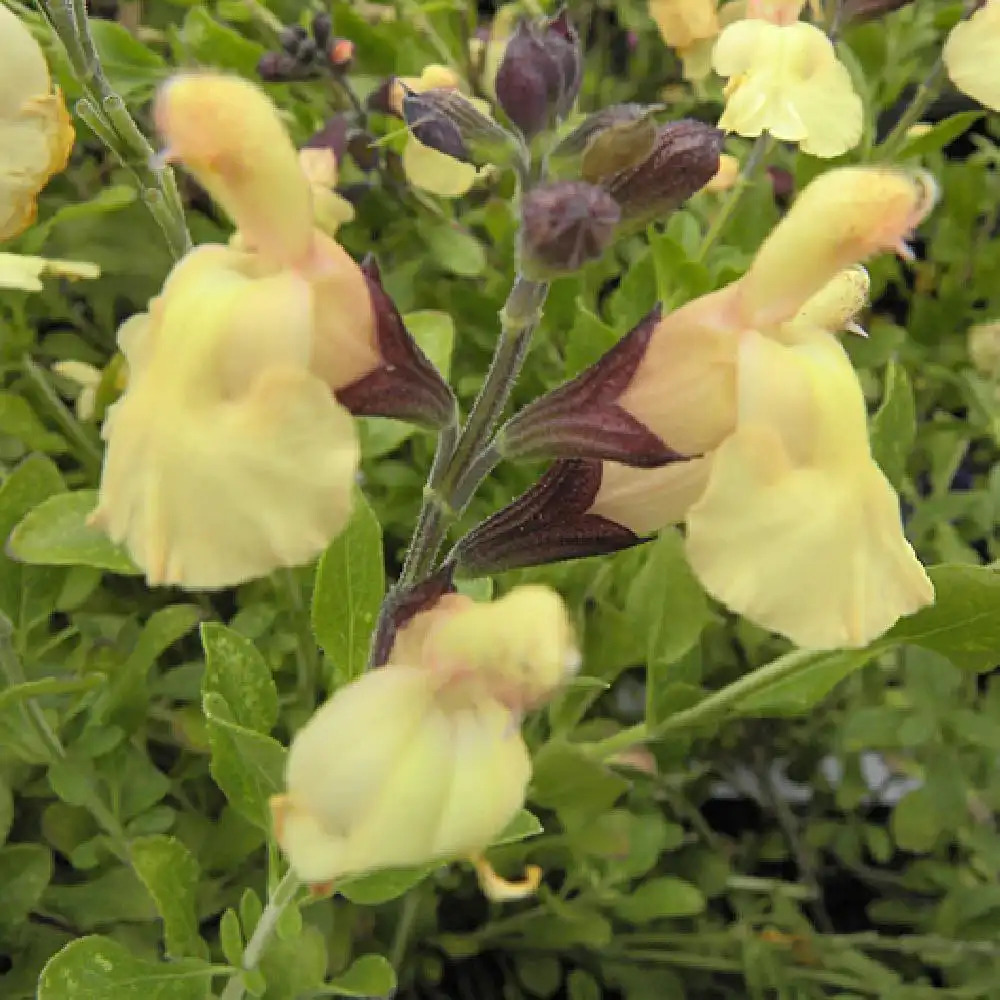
(499, 502)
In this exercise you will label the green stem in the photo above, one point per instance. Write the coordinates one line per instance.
(283, 894)
(156, 183)
(708, 709)
(758, 154)
(922, 100)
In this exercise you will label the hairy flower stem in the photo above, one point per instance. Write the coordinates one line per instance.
(455, 474)
(284, 893)
(108, 117)
(708, 709)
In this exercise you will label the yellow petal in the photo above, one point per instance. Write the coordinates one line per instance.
(786, 80)
(25, 272)
(970, 55)
(646, 500)
(842, 217)
(776, 11)
(226, 458)
(685, 387)
(441, 781)
(35, 131)
(497, 889)
(798, 530)
(682, 22)
(519, 649)
(435, 172)
(833, 308)
(227, 132)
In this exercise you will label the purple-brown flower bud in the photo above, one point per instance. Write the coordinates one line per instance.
(607, 142)
(539, 76)
(685, 157)
(404, 384)
(585, 419)
(448, 122)
(551, 522)
(565, 225)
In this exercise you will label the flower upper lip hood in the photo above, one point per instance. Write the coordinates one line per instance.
(35, 131)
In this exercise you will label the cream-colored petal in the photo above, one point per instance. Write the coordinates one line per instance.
(831, 112)
(213, 497)
(842, 217)
(798, 529)
(23, 71)
(739, 45)
(646, 500)
(833, 308)
(435, 172)
(685, 387)
(25, 272)
(682, 22)
(228, 133)
(970, 55)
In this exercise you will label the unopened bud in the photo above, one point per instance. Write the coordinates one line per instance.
(292, 37)
(332, 136)
(448, 122)
(322, 29)
(278, 67)
(684, 159)
(565, 225)
(539, 76)
(608, 142)
(341, 54)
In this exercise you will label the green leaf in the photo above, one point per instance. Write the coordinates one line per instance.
(107, 200)
(917, 821)
(380, 887)
(170, 874)
(97, 968)
(367, 976)
(661, 898)
(48, 686)
(962, 624)
(235, 670)
(56, 533)
(210, 43)
(524, 825)
(667, 604)
(18, 420)
(940, 135)
(31, 482)
(248, 767)
(294, 966)
(581, 985)
(131, 66)
(799, 692)
(25, 871)
(350, 584)
(231, 937)
(565, 778)
(894, 426)
(454, 249)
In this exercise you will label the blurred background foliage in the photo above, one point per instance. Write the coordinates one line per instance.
(833, 841)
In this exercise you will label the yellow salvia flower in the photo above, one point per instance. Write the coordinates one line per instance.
(682, 23)
(228, 455)
(790, 521)
(970, 55)
(785, 79)
(330, 210)
(25, 272)
(227, 458)
(35, 131)
(449, 770)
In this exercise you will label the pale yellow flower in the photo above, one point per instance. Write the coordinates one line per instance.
(696, 58)
(227, 458)
(787, 80)
(789, 520)
(228, 455)
(448, 770)
(775, 11)
(426, 168)
(25, 272)
(87, 378)
(970, 55)
(35, 131)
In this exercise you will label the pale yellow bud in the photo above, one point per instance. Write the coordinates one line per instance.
(725, 176)
(227, 132)
(844, 216)
(398, 768)
(35, 131)
(519, 648)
